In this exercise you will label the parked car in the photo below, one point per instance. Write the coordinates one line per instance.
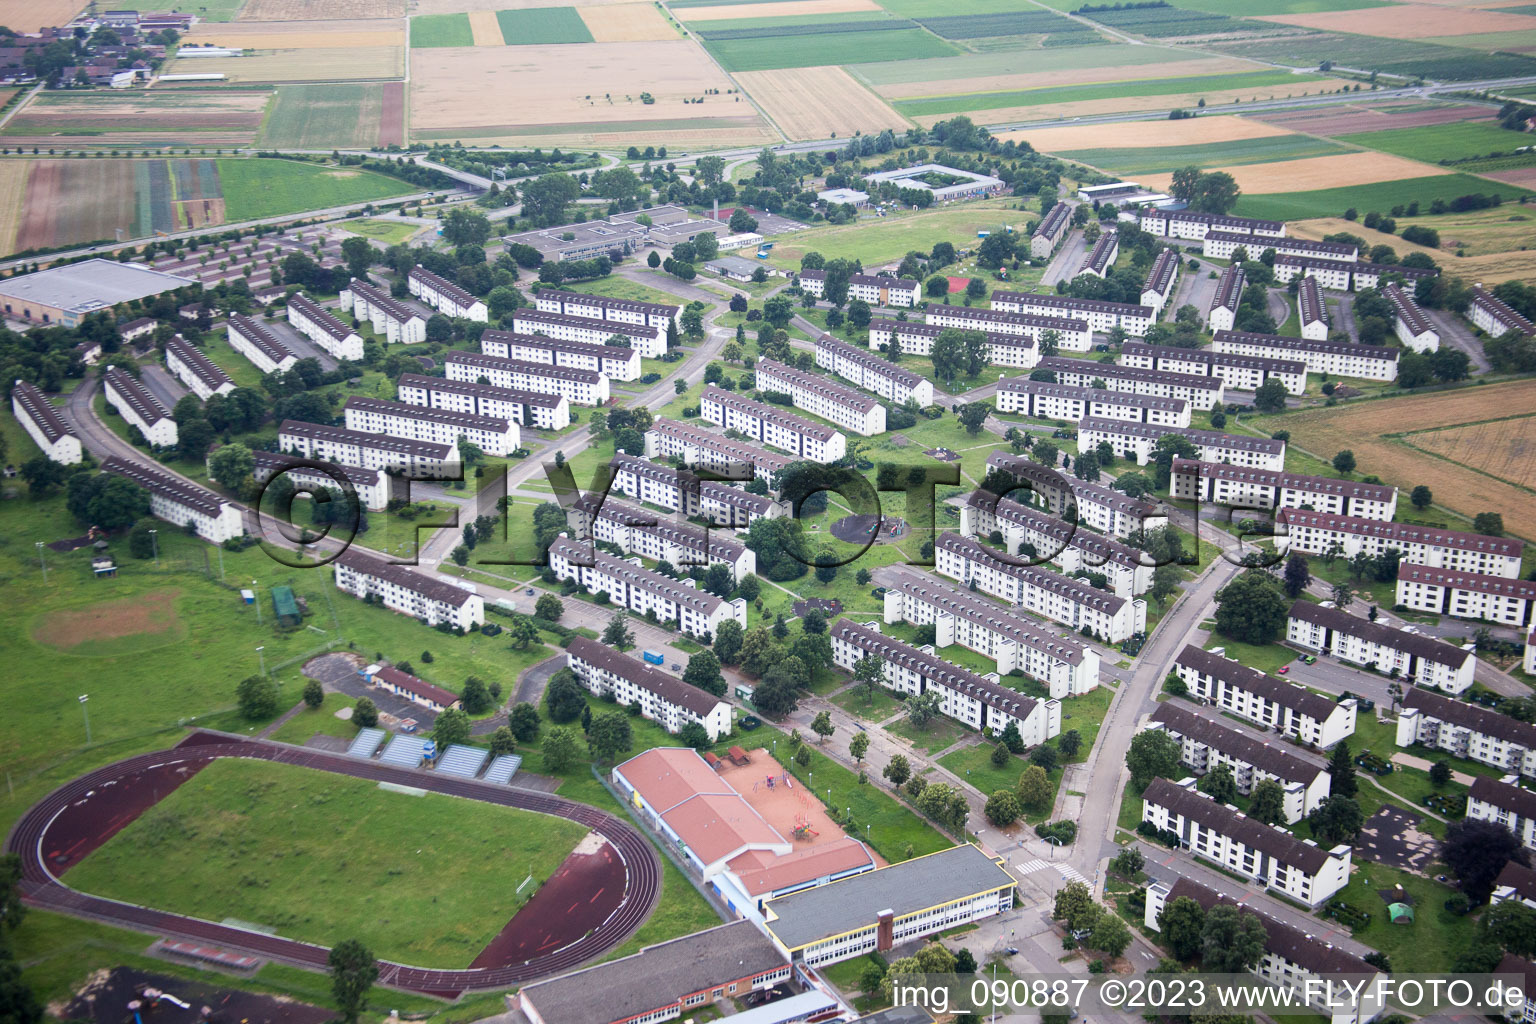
(1283, 669)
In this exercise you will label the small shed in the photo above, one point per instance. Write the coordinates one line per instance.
(738, 756)
(284, 607)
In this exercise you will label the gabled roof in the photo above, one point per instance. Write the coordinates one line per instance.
(1420, 646)
(668, 688)
(1289, 695)
(414, 684)
(1470, 716)
(1507, 797)
(1277, 843)
(1272, 758)
(1285, 941)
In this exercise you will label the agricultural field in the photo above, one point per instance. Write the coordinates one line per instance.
(13, 189)
(748, 9)
(181, 117)
(1051, 29)
(268, 188)
(1191, 133)
(1373, 431)
(1100, 61)
(1329, 202)
(1441, 142)
(303, 35)
(441, 30)
(628, 23)
(1121, 161)
(338, 64)
(74, 201)
(1359, 117)
(1340, 170)
(308, 10)
(852, 42)
(1166, 22)
(1405, 57)
(1410, 21)
(325, 116)
(31, 15)
(1480, 232)
(542, 25)
(818, 103)
(1500, 448)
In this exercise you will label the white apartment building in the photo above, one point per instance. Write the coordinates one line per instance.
(579, 387)
(1053, 228)
(601, 307)
(525, 408)
(138, 407)
(370, 485)
(1101, 316)
(1206, 743)
(1288, 708)
(1160, 279)
(201, 375)
(912, 338)
(1273, 857)
(1057, 540)
(770, 425)
(649, 340)
(250, 338)
(1371, 275)
(1316, 532)
(184, 504)
(1334, 275)
(611, 361)
(427, 599)
(1229, 293)
(1039, 591)
(1504, 803)
(681, 491)
(445, 296)
(1101, 508)
(818, 396)
(1312, 310)
(421, 460)
(1236, 372)
(1336, 358)
(1100, 259)
(1199, 390)
(1016, 643)
(44, 425)
(980, 702)
(1421, 659)
(317, 324)
(495, 437)
(1136, 441)
(396, 322)
(654, 535)
(704, 449)
(1021, 396)
(872, 373)
(665, 700)
(873, 289)
(1195, 226)
(1493, 317)
(1413, 328)
(1466, 595)
(631, 586)
(1467, 730)
(1243, 487)
(1220, 245)
(1073, 332)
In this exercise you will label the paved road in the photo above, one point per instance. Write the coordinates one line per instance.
(161, 384)
(1068, 259)
(1456, 333)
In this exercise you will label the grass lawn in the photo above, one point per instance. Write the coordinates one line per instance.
(1431, 942)
(1332, 202)
(1268, 658)
(616, 287)
(268, 188)
(224, 824)
(974, 765)
(390, 232)
(1130, 808)
(323, 720)
(856, 702)
(891, 237)
(940, 733)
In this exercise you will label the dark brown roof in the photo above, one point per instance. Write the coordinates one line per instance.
(414, 684)
(447, 417)
(442, 287)
(318, 315)
(1283, 940)
(1083, 393)
(1279, 341)
(720, 445)
(1085, 305)
(1268, 757)
(1477, 582)
(1003, 316)
(1277, 843)
(1408, 311)
(1209, 358)
(668, 688)
(205, 369)
(1289, 695)
(606, 302)
(40, 411)
(1279, 478)
(1208, 438)
(535, 317)
(1405, 533)
(1504, 796)
(1066, 534)
(816, 384)
(931, 666)
(482, 361)
(1309, 297)
(1470, 716)
(464, 387)
(1161, 274)
(139, 398)
(419, 583)
(363, 439)
(1521, 878)
(1113, 371)
(587, 555)
(590, 349)
(202, 501)
(1496, 308)
(1073, 589)
(868, 360)
(917, 329)
(1420, 646)
(769, 413)
(1052, 222)
(263, 340)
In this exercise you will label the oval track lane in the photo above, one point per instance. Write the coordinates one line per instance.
(39, 886)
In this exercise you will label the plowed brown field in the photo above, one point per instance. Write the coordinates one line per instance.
(1345, 120)
(31, 15)
(13, 188)
(300, 35)
(1504, 448)
(1196, 131)
(340, 64)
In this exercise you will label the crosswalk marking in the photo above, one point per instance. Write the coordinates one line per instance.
(1029, 867)
(1071, 874)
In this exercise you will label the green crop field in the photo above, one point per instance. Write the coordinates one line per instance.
(441, 30)
(1105, 90)
(1165, 22)
(1243, 151)
(978, 65)
(1331, 202)
(763, 54)
(1518, 39)
(1433, 143)
(268, 188)
(704, 28)
(213, 10)
(542, 25)
(774, 28)
(1392, 56)
(323, 117)
(1059, 31)
(227, 843)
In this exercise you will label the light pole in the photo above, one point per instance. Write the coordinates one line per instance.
(263, 658)
(1054, 843)
(42, 561)
(84, 711)
(154, 540)
(257, 595)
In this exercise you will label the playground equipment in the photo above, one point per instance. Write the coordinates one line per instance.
(153, 996)
(803, 828)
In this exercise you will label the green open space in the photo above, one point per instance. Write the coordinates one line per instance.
(321, 721)
(1404, 57)
(211, 10)
(897, 234)
(323, 117)
(1169, 158)
(767, 53)
(974, 765)
(441, 30)
(452, 865)
(1100, 91)
(542, 25)
(617, 287)
(935, 736)
(1332, 202)
(268, 188)
(874, 706)
(1433, 143)
(390, 232)
(1431, 942)
(1266, 657)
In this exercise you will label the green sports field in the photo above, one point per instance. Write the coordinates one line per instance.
(769, 52)
(1242, 151)
(441, 30)
(939, 105)
(542, 25)
(324, 117)
(268, 188)
(1331, 202)
(1433, 143)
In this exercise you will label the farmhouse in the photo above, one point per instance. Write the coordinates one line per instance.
(1288, 708)
(1101, 258)
(65, 295)
(400, 589)
(1101, 316)
(703, 449)
(395, 321)
(317, 324)
(370, 485)
(1246, 488)
(444, 296)
(1334, 275)
(1413, 328)
(1504, 803)
(611, 238)
(1044, 400)
(769, 425)
(1298, 869)
(1238, 373)
(1199, 390)
(1207, 743)
(1293, 960)
(419, 460)
(681, 491)
(44, 425)
(579, 387)
(1195, 226)
(1221, 245)
(1312, 310)
(1053, 228)
(872, 373)
(665, 700)
(1160, 279)
(1073, 335)
(1039, 591)
(1067, 667)
(1057, 540)
(412, 688)
(650, 341)
(631, 586)
(1466, 595)
(185, 504)
(1335, 358)
(494, 436)
(660, 982)
(138, 407)
(634, 530)
(525, 408)
(601, 307)
(200, 374)
(250, 338)
(612, 361)
(1466, 730)
(1316, 532)
(1375, 645)
(1229, 292)
(1137, 441)
(1488, 312)
(818, 396)
(967, 184)
(878, 910)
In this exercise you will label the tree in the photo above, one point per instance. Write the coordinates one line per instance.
(1218, 784)
(564, 697)
(523, 632)
(1342, 595)
(560, 750)
(314, 693)
(1231, 940)
(1110, 935)
(109, 502)
(822, 725)
(703, 671)
(1011, 738)
(1270, 396)
(728, 641)
(898, 770)
(353, 973)
(365, 713)
(476, 696)
(1252, 608)
(694, 735)
(1440, 773)
(826, 567)
(1422, 497)
(546, 197)
(1489, 523)
(1182, 923)
(1069, 742)
(869, 673)
(1266, 802)
(1002, 808)
(999, 756)
(803, 757)
(1074, 905)
(1476, 851)
(859, 746)
(922, 708)
(257, 697)
(1341, 770)
(973, 415)
(452, 727)
(609, 736)
(1165, 583)
(1337, 819)
(1513, 925)
(1128, 862)
(931, 959)
(1034, 789)
(618, 634)
(549, 608)
(1152, 755)
(503, 741)
(945, 805)
(1344, 462)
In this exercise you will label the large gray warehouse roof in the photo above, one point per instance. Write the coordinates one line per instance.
(90, 284)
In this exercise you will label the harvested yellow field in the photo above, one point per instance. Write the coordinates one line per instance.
(1499, 257)
(300, 35)
(31, 15)
(785, 9)
(1481, 232)
(1411, 21)
(13, 188)
(1504, 448)
(1315, 172)
(1318, 227)
(471, 6)
(1070, 76)
(308, 10)
(1194, 131)
(342, 64)
(818, 103)
(485, 28)
(626, 23)
(1122, 104)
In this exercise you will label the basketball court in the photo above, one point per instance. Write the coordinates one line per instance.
(784, 803)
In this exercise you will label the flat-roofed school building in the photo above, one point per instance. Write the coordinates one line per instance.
(66, 295)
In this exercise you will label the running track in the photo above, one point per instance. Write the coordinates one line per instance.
(40, 888)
